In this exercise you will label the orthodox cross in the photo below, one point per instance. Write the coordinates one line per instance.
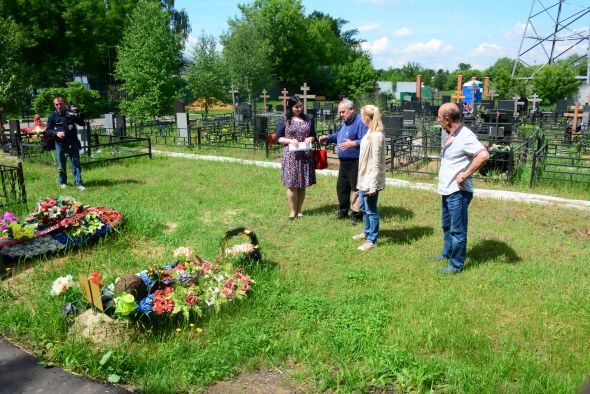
(576, 116)
(534, 99)
(516, 104)
(492, 94)
(233, 92)
(284, 97)
(306, 96)
(459, 93)
(264, 96)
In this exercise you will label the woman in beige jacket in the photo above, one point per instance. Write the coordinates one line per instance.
(371, 176)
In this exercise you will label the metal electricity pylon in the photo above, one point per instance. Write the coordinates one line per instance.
(554, 29)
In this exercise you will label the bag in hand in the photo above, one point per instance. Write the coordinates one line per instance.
(321, 158)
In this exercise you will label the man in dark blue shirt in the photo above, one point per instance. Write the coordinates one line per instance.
(61, 125)
(348, 142)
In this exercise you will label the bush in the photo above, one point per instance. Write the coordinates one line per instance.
(88, 101)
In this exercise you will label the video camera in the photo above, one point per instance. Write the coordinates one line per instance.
(72, 113)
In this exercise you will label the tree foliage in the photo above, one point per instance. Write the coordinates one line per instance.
(14, 81)
(86, 100)
(207, 76)
(148, 62)
(555, 82)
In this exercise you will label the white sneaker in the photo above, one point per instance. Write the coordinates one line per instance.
(81, 188)
(63, 185)
(366, 246)
(359, 236)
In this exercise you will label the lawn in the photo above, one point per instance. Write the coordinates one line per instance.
(516, 320)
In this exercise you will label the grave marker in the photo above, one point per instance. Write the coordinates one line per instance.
(486, 85)
(492, 94)
(535, 99)
(516, 104)
(576, 115)
(183, 127)
(285, 98)
(264, 96)
(305, 96)
(233, 92)
(459, 92)
(418, 87)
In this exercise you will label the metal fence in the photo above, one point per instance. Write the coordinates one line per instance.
(13, 185)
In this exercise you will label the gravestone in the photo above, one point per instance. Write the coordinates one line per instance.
(446, 99)
(328, 110)
(243, 112)
(487, 104)
(84, 135)
(259, 128)
(279, 108)
(561, 107)
(120, 126)
(506, 105)
(409, 117)
(392, 126)
(178, 108)
(14, 129)
(109, 123)
(183, 127)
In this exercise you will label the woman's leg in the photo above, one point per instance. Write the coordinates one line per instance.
(293, 199)
(301, 198)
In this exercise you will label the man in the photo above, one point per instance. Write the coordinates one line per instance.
(348, 142)
(462, 154)
(61, 125)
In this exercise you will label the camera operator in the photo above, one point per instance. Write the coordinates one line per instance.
(61, 125)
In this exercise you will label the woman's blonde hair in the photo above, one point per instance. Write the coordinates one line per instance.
(373, 113)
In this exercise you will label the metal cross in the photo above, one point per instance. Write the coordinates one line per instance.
(516, 104)
(534, 99)
(306, 96)
(264, 96)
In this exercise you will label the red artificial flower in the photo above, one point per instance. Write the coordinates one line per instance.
(227, 292)
(95, 278)
(191, 299)
(162, 305)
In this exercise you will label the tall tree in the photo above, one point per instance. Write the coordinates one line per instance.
(555, 82)
(206, 77)
(148, 62)
(356, 76)
(14, 81)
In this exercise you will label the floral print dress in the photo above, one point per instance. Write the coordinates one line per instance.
(298, 168)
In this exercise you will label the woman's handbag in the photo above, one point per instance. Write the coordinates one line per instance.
(321, 158)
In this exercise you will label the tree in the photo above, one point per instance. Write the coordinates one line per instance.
(501, 80)
(149, 60)
(206, 77)
(86, 100)
(356, 76)
(440, 79)
(247, 55)
(14, 82)
(464, 66)
(555, 82)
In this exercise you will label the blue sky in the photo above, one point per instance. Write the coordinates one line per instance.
(435, 33)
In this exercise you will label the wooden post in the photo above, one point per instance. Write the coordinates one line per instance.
(305, 96)
(459, 93)
(264, 96)
(285, 98)
(576, 116)
(418, 87)
(486, 85)
(233, 92)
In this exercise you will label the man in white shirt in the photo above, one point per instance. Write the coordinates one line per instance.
(461, 155)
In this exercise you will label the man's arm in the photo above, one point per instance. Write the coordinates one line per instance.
(478, 161)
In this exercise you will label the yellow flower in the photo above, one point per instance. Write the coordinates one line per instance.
(178, 330)
(199, 330)
(191, 325)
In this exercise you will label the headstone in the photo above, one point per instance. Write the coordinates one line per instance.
(488, 104)
(446, 99)
(285, 92)
(505, 105)
(392, 125)
(328, 110)
(120, 126)
(84, 135)
(183, 127)
(280, 108)
(561, 106)
(178, 106)
(409, 118)
(259, 128)
(243, 112)
(109, 123)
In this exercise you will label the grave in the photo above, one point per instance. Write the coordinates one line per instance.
(243, 112)
(178, 107)
(305, 96)
(183, 127)
(265, 96)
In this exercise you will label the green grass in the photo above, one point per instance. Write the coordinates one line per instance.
(516, 320)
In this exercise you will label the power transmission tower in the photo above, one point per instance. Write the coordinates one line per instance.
(554, 29)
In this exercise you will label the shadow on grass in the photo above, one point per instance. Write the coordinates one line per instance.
(397, 212)
(330, 209)
(491, 249)
(404, 236)
(111, 182)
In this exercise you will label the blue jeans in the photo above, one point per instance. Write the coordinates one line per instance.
(454, 225)
(370, 215)
(60, 156)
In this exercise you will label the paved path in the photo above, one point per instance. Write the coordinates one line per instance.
(21, 373)
(480, 193)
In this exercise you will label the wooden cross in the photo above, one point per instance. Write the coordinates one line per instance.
(516, 104)
(285, 98)
(576, 116)
(459, 93)
(264, 96)
(233, 92)
(306, 96)
(534, 99)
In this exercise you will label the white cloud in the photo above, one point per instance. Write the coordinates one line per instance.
(376, 47)
(368, 27)
(516, 32)
(487, 49)
(403, 32)
(427, 48)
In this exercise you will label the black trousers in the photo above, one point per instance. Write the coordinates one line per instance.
(347, 177)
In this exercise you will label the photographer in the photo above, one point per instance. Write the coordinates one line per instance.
(61, 125)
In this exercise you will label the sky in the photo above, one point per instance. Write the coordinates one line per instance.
(434, 33)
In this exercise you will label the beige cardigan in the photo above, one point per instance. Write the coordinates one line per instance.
(372, 163)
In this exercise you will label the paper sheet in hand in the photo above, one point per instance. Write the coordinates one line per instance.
(302, 146)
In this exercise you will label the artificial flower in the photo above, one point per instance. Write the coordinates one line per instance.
(124, 304)
(61, 285)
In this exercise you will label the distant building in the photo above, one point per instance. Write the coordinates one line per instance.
(385, 87)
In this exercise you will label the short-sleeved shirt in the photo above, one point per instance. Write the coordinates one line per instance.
(455, 158)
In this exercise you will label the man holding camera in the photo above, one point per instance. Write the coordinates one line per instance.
(61, 125)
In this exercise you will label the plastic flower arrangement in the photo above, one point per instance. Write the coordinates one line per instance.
(62, 284)
(49, 210)
(11, 227)
(189, 286)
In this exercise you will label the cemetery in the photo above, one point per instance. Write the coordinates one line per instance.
(174, 269)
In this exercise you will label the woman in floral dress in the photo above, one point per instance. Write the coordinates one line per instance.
(297, 166)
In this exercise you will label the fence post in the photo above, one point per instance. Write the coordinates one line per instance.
(533, 165)
(149, 146)
(21, 182)
(88, 138)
